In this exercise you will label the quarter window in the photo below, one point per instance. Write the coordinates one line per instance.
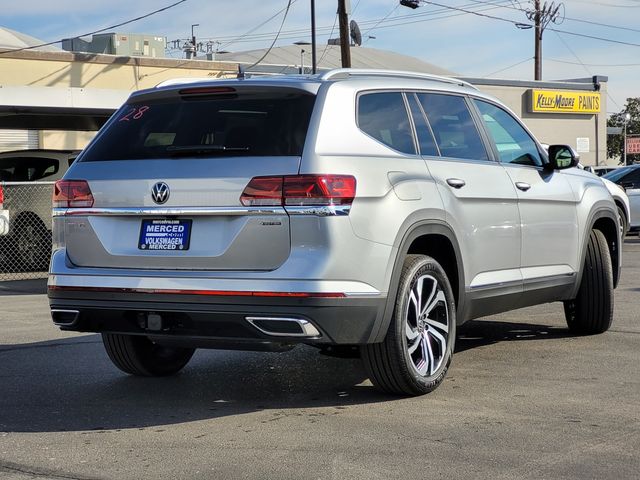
(384, 116)
(453, 127)
(513, 143)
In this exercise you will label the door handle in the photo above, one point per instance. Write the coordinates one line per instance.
(456, 182)
(523, 186)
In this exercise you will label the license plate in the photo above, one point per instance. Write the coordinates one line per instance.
(165, 235)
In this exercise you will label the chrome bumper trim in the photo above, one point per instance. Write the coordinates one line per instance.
(168, 211)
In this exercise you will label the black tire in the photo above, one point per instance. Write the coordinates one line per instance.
(391, 365)
(31, 245)
(137, 355)
(591, 312)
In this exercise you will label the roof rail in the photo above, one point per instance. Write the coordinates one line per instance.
(343, 73)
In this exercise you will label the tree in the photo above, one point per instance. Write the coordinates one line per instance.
(614, 142)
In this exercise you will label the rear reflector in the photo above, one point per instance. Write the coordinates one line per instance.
(72, 194)
(214, 293)
(300, 190)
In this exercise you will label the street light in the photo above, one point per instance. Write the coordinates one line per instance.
(627, 117)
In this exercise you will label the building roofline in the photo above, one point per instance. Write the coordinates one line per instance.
(587, 84)
(119, 60)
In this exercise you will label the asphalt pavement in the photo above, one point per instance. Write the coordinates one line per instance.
(523, 399)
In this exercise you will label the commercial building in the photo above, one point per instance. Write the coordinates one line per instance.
(51, 98)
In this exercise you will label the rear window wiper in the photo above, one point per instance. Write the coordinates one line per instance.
(203, 149)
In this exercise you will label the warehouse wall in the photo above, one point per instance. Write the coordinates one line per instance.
(65, 69)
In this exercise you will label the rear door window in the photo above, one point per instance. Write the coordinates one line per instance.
(252, 124)
(453, 127)
(383, 116)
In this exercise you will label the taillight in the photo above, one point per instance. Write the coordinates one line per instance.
(300, 190)
(1, 195)
(319, 190)
(72, 194)
(262, 191)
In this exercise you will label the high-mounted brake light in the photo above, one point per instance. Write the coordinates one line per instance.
(72, 194)
(299, 190)
(206, 90)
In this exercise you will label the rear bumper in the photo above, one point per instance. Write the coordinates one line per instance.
(217, 321)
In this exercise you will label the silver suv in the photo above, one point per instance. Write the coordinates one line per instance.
(355, 208)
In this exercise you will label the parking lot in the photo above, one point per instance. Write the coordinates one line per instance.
(523, 399)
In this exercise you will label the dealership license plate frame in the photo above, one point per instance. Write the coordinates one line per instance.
(182, 238)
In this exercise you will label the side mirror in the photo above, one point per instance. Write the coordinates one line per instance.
(561, 157)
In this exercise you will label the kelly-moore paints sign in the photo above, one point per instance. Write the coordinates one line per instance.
(563, 101)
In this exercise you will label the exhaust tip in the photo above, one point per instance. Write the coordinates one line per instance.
(284, 326)
(64, 318)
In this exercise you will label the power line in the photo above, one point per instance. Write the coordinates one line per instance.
(611, 65)
(97, 31)
(579, 20)
(583, 65)
(324, 52)
(381, 20)
(493, 17)
(323, 31)
(235, 39)
(509, 67)
(284, 18)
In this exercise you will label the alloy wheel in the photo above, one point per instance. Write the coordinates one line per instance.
(426, 325)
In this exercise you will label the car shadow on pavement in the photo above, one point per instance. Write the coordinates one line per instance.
(70, 385)
(480, 333)
(23, 287)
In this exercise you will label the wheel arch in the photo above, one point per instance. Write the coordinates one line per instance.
(433, 238)
(623, 208)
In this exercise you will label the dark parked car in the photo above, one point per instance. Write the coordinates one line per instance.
(25, 208)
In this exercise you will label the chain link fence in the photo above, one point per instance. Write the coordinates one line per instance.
(25, 229)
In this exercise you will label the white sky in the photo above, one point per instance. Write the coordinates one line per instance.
(461, 42)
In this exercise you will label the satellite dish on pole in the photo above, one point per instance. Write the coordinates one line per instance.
(356, 36)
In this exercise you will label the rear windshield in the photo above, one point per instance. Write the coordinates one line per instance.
(27, 169)
(257, 124)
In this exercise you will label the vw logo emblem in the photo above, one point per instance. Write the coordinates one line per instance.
(160, 193)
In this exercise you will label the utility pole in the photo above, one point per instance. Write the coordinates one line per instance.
(627, 117)
(345, 42)
(541, 16)
(538, 41)
(193, 49)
